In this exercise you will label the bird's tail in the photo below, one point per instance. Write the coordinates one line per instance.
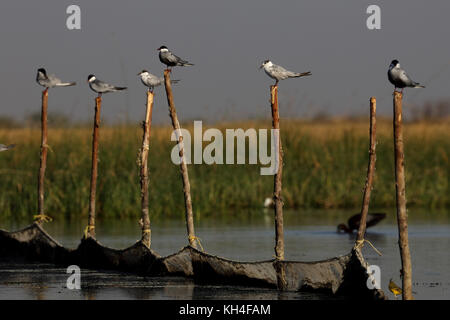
(120, 88)
(10, 146)
(66, 84)
(418, 85)
(187, 64)
(303, 74)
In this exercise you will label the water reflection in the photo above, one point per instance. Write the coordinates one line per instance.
(309, 236)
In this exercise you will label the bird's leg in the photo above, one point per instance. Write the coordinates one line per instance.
(99, 94)
(46, 90)
(276, 83)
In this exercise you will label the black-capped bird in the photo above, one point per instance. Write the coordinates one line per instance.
(102, 87)
(50, 81)
(152, 81)
(279, 73)
(171, 60)
(398, 77)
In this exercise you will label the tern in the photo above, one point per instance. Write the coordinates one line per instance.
(398, 77)
(102, 87)
(50, 81)
(152, 81)
(4, 147)
(171, 60)
(279, 73)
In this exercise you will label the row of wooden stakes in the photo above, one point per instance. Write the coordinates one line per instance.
(277, 196)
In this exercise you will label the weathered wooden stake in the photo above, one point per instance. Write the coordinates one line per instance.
(43, 158)
(183, 168)
(278, 208)
(370, 170)
(402, 215)
(279, 234)
(146, 232)
(90, 232)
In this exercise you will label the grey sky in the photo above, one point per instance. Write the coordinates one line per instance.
(227, 41)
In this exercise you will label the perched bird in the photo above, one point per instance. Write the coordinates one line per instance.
(4, 147)
(102, 87)
(398, 77)
(395, 289)
(171, 60)
(50, 81)
(354, 221)
(152, 81)
(279, 73)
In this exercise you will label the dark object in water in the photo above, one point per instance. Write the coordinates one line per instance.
(353, 222)
(344, 275)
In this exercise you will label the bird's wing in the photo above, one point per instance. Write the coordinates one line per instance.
(374, 218)
(279, 69)
(282, 72)
(173, 58)
(153, 80)
(354, 221)
(179, 59)
(54, 79)
(104, 85)
(405, 78)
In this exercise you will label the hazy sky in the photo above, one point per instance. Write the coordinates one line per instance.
(227, 41)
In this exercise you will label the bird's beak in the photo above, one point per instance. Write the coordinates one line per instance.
(261, 66)
(139, 73)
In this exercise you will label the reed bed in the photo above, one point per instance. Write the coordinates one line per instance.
(324, 167)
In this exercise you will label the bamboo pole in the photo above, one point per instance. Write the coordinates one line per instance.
(43, 157)
(402, 215)
(90, 232)
(278, 208)
(146, 232)
(183, 167)
(370, 171)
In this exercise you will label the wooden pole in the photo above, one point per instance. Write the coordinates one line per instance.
(370, 170)
(279, 234)
(90, 232)
(278, 208)
(183, 168)
(43, 158)
(402, 215)
(146, 232)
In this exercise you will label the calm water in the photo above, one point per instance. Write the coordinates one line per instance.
(309, 236)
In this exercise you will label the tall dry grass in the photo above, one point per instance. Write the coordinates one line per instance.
(325, 166)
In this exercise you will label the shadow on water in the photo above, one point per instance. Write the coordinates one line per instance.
(42, 282)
